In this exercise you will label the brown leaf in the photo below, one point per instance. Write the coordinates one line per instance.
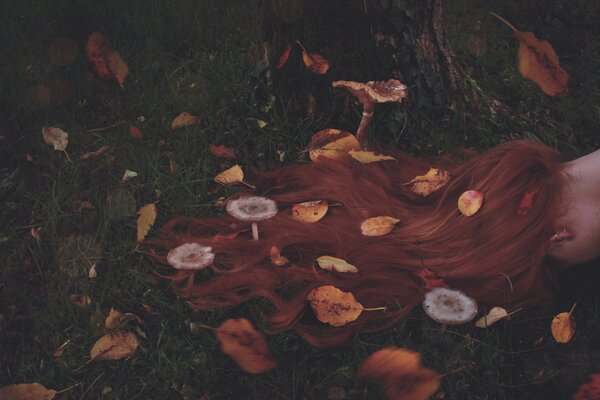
(245, 345)
(113, 320)
(223, 151)
(563, 327)
(277, 258)
(310, 211)
(114, 346)
(589, 390)
(527, 202)
(184, 119)
(430, 279)
(538, 61)
(35, 232)
(147, 216)
(285, 55)
(424, 185)
(333, 306)
(399, 374)
(55, 137)
(378, 226)
(80, 300)
(135, 132)
(107, 62)
(333, 144)
(314, 61)
(101, 150)
(26, 391)
(470, 202)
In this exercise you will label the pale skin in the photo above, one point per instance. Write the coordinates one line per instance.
(577, 238)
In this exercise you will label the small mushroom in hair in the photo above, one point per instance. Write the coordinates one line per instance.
(252, 209)
(449, 306)
(190, 256)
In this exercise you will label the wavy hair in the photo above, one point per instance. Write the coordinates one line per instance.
(496, 256)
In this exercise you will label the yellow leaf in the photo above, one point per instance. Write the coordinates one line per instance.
(378, 226)
(310, 211)
(333, 306)
(26, 391)
(399, 374)
(494, 315)
(114, 346)
(333, 144)
(184, 119)
(424, 185)
(147, 216)
(261, 123)
(245, 345)
(563, 327)
(366, 157)
(277, 258)
(470, 202)
(113, 320)
(335, 264)
(230, 176)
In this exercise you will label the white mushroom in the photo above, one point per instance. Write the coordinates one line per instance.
(190, 256)
(252, 209)
(449, 306)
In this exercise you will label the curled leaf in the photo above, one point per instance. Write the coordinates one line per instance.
(310, 211)
(26, 391)
(366, 157)
(230, 176)
(333, 144)
(378, 226)
(127, 175)
(106, 61)
(184, 119)
(470, 202)
(114, 346)
(314, 61)
(335, 264)
(245, 345)
(424, 185)
(333, 306)
(285, 55)
(277, 258)
(147, 216)
(399, 374)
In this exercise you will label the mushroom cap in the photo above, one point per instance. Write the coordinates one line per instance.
(190, 256)
(449, 306)
(376, 91)
(251, 208)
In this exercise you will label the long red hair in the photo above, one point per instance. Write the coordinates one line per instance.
(496, 256)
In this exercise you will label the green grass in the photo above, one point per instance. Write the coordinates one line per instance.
(201, 57)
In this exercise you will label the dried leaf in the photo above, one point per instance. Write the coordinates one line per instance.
(147, 216)
(378, 226)
(107, 62)
(424, 185)
(399, 374)
(310, 211)
(261, 124)
(103, 149)
(80, 300)
(333, 144)
(245, 345)
(314, 61)
(135, 132)
(127, 175)
(26, 391)
(494, 315)
(366, 157)
(230, 176)
(223, 151)
(114, 346)
(56, 137)
(563, 327)
(285, 55)
(184, 119)
(35, 232)
(335, 264)
(526, 202)
(589, 390)
(430, 279)
(538, 61)
(63, 51)
(113, 320)
(470, 202)
(92, 273)
(333, 306)
(277, 258)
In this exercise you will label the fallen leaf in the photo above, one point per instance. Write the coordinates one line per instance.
(563, 327)
(494, 315)
(335, 264)
(135, 132)
(230, 176)
(128, 175)
(310, 211)
(538, 62)
(147, 216)
(223, 151)
(92, 273)
(184, 119)
(261, 124)
(470, 202)
(101, 150)
(285, 55)
(80, 300)
(378, 226)
(333, 306)
(277, 258)
(424, 185)
(63, 51)
(26, 391)
(35, 232)
(106, 61)
(113, 320)
(56, 137)
(366, 157)
(333, 144)
(314, 61)
(526, 202)
(430, 279)
(589, 390)
(245, 345)
(400, 374)
(114, 346)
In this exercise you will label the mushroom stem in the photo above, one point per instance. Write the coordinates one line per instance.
(364, 123)
(255, 230)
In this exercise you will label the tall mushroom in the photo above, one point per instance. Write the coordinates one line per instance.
(449, 306)
(252, 209)
(190, 256)
(371, 93)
